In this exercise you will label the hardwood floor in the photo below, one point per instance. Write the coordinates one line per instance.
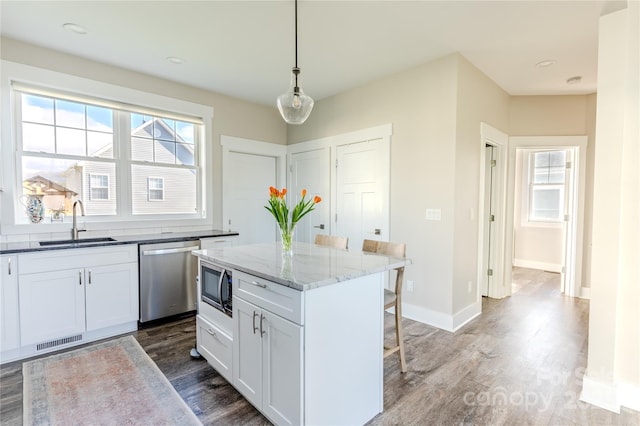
(520, 362)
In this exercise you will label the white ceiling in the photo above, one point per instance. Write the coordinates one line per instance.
(245, 48)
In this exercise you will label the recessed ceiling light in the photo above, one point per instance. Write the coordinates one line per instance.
(574, 80)
(175, 60)
(74, 28)
(545, 64)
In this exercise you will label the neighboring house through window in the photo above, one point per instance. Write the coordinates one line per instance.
(79, 144)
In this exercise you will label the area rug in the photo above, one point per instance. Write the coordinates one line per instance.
(109, 383)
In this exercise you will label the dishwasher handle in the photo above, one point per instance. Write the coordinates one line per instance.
(169, 251)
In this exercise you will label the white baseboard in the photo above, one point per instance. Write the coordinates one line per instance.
(601, 394)
(629, 395)
(439, 319)
(585, 292)
(467, 314)
(542, 266)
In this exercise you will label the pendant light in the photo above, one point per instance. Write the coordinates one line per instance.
(295, 106)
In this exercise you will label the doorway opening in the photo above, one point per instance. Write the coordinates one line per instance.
(545, 205)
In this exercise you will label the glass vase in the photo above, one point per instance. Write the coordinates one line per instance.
(286, 237)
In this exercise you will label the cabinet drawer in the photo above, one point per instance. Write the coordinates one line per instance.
(56, 260)
(214, 242)
(276, 298)
(215, 346)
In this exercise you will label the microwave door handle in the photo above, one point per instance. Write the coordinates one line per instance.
(220, 288)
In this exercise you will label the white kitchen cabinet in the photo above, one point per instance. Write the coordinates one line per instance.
(111, 295)
(9, 316)
(215, 346)
(66, 295)
(267, 364)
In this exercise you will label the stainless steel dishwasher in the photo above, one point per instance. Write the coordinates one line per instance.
(167, 279)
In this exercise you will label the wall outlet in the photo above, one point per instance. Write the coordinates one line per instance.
(469, 286)
(409, 286)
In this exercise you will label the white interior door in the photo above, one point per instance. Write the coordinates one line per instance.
(310, 170)
(362, 191)
(247, 180)
(570, 214)
(488, 251)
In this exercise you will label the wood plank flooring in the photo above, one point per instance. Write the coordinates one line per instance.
(520, 362)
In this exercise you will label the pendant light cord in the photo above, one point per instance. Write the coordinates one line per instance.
(296, 38)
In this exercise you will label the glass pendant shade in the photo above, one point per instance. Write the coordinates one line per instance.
(295, 106)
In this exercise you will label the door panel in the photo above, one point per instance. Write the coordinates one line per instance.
(247, 351)
(310, 171)
(362, 192)
(248, 177)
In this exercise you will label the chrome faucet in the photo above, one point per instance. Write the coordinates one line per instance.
(74, 229)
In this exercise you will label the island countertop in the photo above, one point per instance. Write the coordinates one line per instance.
(311, 266)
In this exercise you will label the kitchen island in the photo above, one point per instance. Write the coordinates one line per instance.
(307, 331)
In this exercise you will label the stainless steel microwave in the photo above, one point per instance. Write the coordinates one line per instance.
(215, 284)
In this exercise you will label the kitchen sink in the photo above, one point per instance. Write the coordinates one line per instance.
(83, 241)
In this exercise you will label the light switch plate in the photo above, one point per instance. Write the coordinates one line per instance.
(433, 214)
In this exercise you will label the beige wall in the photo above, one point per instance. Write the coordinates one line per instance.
(436, 110)
(421, 105)
(478, 99)
(573, 115)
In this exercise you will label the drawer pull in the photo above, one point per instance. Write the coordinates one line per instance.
(79, 277)
(255, 314)
(9, 265)
(259, 284)
(262, 332)
(89, 276)
(211, 332)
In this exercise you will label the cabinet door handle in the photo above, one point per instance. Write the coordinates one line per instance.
(9, 265)
(255, 314)
(258, 284)
(89, 276)
(262, 332)
(79, 277)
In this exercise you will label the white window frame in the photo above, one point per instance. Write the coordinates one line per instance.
(13, 220)
(531, 219)
(149, 188)
(92, 187)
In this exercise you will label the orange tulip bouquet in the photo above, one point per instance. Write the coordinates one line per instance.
(288, 220)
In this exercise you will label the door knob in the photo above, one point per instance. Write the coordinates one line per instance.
(321, 226)
(376, 231)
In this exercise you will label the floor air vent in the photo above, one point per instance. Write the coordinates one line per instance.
(58, 342)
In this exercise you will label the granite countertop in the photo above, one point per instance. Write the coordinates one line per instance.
(311, 266)
(163, 237)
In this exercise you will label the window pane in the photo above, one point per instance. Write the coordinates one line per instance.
(184, 154)
(165, 129)
(100, 119)
(165, 152)
(185, 131)
(61, 181)
(70, 114)
(71, 141)
(546, 203)
(38, 138)
(100, 144)
(37, 109)
(179, 190)
(141, 149)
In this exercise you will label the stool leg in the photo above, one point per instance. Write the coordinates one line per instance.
(400, 336)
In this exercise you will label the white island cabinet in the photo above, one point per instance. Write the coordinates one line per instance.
(307, 331)
(77, 295)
